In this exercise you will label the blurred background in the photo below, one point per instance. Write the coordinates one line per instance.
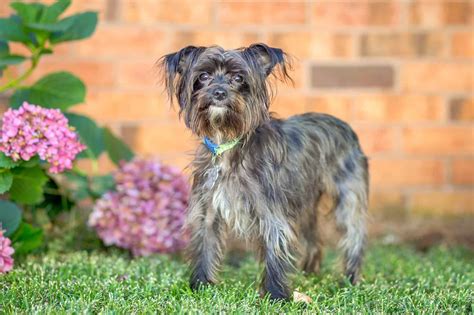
(400, 72)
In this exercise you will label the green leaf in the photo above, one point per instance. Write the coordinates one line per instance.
(48, 20)
(49, 27)
(28, 12)
(27, 238)
(34, 161)
(4, 49)
(91, 135)
(55, 200)
(10, 217)
(6, 179)
(46, 51)
(7, 162)
(52, 12)
(7, 60)
(82, 25)
(20, 95)
(12, 30)
(56, 90)
(116, 148)
(99, 185)
(27, 186)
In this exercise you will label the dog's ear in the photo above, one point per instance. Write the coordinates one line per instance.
(175, 65)
(269, 59)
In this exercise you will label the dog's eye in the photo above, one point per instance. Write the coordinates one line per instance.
(238, 78)
(204, 77)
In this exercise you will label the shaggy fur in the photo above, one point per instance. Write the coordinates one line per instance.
(270, 185)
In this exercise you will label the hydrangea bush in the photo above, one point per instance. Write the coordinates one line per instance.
(6, 252)
(33, 130)
(32, 133)
(145, 213)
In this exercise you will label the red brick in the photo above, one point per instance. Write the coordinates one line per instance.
(439, 13)
(436, 77)
(122, 106)
(11, 73)
(426, 13)
(19, 48)
(462, 171)
(257, 13)
(384, 12)
(355, 13)
(88, 5)
(121, 41)
(383, 108)
(140, 74)
(313, 45)
(362, 76)
(461, 109)
(335, 105)
(285, 105)
(404, 173)
(104, 166)
(377, 140)
(167, 11)
(462, 44)
(444, 141)
(457, 12)
(93, 73)
(5, 9)
(179, 160)
(297, 72)
(380, 200)
(402, 44)
(440, 202)
(168, 138)
(227, 39)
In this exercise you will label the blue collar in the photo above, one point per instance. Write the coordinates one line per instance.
(211, 146)
(217, 149)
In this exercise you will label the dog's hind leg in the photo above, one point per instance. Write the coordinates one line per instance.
(311, 243)
(351, 213)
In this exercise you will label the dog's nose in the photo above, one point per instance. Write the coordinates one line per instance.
(219, 94)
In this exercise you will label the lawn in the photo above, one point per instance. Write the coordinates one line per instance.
(396, 279)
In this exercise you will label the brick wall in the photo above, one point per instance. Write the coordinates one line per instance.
(401, 72)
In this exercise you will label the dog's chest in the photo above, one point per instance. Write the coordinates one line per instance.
(230, 200)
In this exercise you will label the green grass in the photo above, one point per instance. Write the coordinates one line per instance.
(396, 279)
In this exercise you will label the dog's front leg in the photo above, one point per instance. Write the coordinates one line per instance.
(206, 248)
(278, 259)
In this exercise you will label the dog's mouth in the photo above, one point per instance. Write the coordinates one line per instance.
(217, 107)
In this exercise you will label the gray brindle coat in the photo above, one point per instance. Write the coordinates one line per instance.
(271, 184)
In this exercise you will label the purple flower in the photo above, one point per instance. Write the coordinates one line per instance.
(33, 130)
(6, 252)
(146, 212)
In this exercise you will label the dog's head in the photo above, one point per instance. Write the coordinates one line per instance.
(223, 93)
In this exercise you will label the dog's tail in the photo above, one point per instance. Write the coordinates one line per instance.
(351, 215)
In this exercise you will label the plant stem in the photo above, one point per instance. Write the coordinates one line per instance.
(15, 82)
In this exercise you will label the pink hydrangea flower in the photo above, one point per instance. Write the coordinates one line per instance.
(33, 130)
(146, 212)
(6, 252)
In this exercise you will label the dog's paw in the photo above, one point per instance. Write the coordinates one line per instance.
(275, 296)
(196, 284)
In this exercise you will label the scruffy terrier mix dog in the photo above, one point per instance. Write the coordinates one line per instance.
(260, 177)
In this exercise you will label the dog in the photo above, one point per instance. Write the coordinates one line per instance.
(259, 177)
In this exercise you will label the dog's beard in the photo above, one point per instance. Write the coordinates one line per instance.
(217, 116)
(220, 121)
